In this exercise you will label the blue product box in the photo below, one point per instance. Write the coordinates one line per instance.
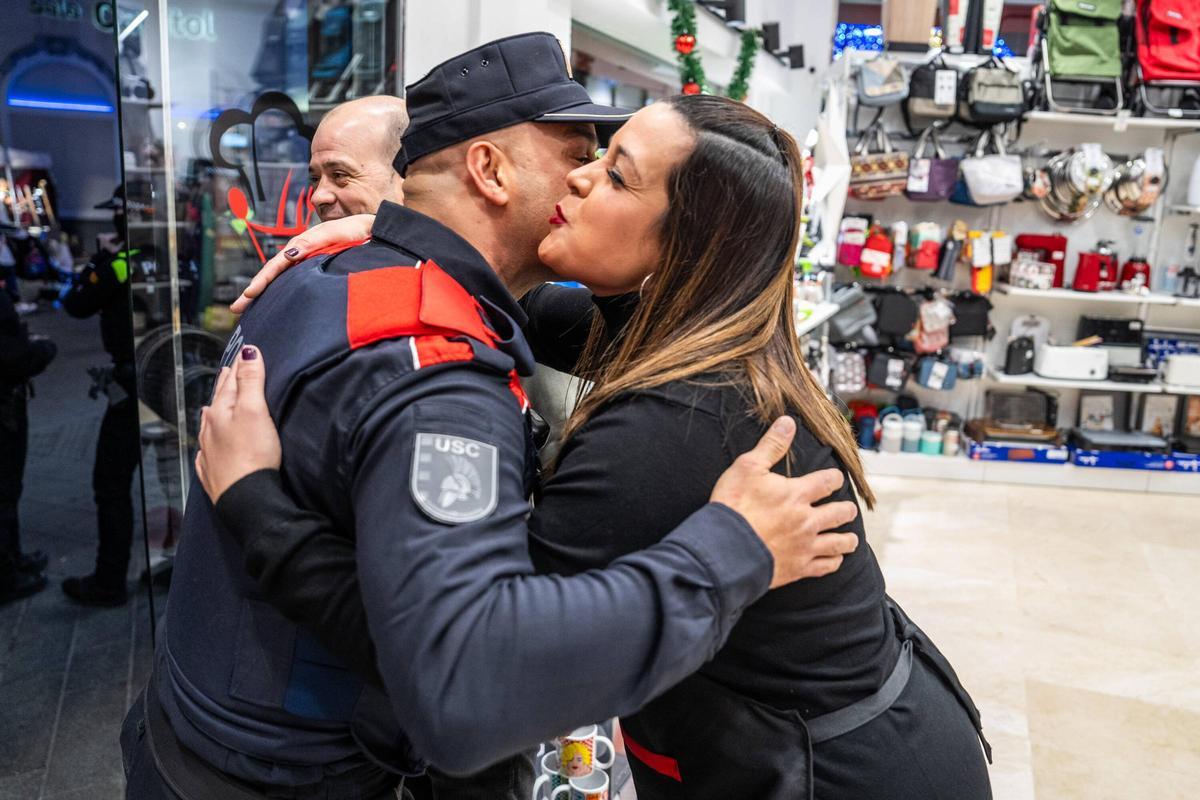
(1030, 452)
(1155, 462)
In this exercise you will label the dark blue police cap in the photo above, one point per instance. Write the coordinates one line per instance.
(519, 79)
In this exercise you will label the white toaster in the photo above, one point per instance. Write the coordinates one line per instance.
(1071, 363)
(1182, 369)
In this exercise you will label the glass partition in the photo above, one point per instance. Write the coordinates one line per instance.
(219, 102)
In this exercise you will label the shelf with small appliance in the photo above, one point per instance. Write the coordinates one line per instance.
(961, 468)
(1154, 298)
(1032, 379)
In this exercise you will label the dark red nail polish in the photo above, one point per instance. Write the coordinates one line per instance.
(292, 252)
(249, 354)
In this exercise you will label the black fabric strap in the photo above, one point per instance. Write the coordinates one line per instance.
(840, 722)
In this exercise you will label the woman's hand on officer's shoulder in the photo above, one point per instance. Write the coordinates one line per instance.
(347, 229)
(237, 434)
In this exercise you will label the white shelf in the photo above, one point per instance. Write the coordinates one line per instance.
(1175, 388)
(919, 465)
(819, 316)
(916, 465)
(1188, 302)
(1032, 379)
(1116, 122)
(1089, 297)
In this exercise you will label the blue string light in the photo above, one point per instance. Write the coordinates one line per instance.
(859, 36)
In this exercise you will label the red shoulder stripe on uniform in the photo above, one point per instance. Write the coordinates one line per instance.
(430, 350)
(410, 301)
(336, 247)
(663, 765)
(514, 386)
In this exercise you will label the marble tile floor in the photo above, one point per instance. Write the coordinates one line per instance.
(1071, 616)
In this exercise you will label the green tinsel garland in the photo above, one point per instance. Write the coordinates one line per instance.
(683, 23)
(740, 85)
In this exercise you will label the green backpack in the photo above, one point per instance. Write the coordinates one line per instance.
(1082, 39)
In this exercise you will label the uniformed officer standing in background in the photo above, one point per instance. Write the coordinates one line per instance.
(102, 288)
(22, 357)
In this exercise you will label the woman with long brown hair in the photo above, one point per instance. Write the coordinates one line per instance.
(685, 232)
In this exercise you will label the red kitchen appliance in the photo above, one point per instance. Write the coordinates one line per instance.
(1097, 270)
(1133, 268)
(1137, 269)
(1049, 247)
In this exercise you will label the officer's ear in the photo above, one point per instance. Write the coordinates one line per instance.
(491, 171)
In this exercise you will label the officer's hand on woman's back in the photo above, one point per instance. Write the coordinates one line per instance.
(326, 234)
(237, 434)
(783, 511)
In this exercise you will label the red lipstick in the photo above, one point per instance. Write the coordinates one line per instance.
(558, 218)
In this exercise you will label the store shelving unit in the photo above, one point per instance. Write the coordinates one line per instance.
(1063, 307)
(1152, 299)
(1153, 387)
(1116, 122)
(961, 468)
(819, 316)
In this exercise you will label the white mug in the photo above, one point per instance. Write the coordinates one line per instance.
(588, 787)
(577, 754)
(551, 776)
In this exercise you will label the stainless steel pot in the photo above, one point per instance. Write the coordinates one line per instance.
(1077, 184)
(1136, 187)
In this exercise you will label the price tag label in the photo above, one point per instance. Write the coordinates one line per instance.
(945, 87)
(1154, 160)
(981, 252)
(1093, 156)
(1002, 249)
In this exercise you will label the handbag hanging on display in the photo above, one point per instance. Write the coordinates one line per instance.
(856, 315)
(971, 315)
(888, 371)
(989, 179)
(936, 373)
(849, 372)
(990, 94)
(881, 82)
(930, 179)
(933, 326)
(932, 92)
(897, 313)
(879, 173)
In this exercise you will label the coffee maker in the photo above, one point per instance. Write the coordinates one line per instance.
(1097, 270)
(1050, 247)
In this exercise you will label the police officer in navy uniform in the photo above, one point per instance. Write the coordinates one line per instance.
(102, 288)
(22, 357)
(395, 382)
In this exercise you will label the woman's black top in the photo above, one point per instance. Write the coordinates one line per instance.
(631, 474)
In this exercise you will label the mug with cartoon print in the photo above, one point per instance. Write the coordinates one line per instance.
(577, 754)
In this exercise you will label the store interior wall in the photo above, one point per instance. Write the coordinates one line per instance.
(791, 97)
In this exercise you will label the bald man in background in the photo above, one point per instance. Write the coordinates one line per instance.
(352, 152)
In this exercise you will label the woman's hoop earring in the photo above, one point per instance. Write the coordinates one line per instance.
(642, 288)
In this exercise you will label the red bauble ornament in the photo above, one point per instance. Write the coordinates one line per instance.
(691, 88)
(685, 43)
